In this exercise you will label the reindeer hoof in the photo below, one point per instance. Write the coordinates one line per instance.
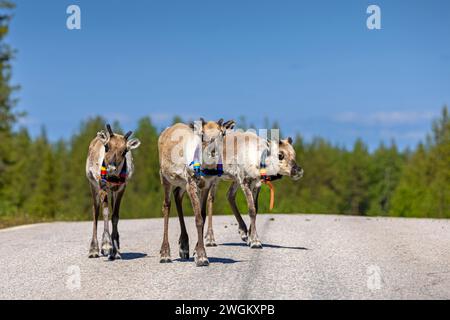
(256, 244)
(209, 240)
(201, 261)
(243, 235)
(93, 254)
(184, 254)
(106, 250)
(165, 260)
(210, 243)
(116, 256)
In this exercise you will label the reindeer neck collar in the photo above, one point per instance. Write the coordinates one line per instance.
(263, 168)
(105, 179)
(197, 166)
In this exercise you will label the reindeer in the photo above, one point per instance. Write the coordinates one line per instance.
(109, 166)
(244, 155)
(181, 149)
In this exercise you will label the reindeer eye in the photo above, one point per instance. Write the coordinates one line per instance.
(281, 156)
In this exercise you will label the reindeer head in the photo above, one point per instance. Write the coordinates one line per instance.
(116, 148)
(212, 133)
(286, 160)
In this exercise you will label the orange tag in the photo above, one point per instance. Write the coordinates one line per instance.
(272, 194)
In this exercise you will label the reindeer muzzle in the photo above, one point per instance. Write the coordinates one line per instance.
(296, 172)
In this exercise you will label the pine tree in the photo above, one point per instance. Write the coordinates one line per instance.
(43, 202)
(78, 202)
(7, 114)
(60, 159)
(440, 165)
(40, 178)
(19, 187)
(144, 192)
(356, 195)
(424, 187)
(385, 171)
(319, 190)
(177, 119)
(409, 195)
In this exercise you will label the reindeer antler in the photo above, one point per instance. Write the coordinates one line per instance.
(128, 134)
(108, 127)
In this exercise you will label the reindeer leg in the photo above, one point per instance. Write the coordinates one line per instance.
(200, 252)
(231, 195)
(184, 238)
(253, 236)
(93, 250)
(256, 192)
(106, 239)
(116, 199)
(165, 247)
(210, 241)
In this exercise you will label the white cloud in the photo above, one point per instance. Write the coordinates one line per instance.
(347, 117)
(161, 117)
(27, 121)
(414, 135)
(165, 118)
(117, 116)
(385, 118)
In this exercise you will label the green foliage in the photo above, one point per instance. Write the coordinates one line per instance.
(424, 187)
(8, 116)
(43, 202)
(143, 196)
(76, 196)
(41, 180)
(385, 171)
(49, 178)
(356, 180)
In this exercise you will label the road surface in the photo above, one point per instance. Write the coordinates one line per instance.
(304, 257)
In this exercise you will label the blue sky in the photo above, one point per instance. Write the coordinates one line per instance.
(311, 65)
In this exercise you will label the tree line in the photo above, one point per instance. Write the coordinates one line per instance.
(42, 180)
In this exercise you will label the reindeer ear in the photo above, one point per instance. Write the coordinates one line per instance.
(103, 136)
(220, 122)
(289, 140)
(229, 125)
(133, 143)
(203, 121)
(197, 126)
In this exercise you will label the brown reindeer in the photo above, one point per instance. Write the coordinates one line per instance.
(180, 147)
(244, 153)
(109, 166)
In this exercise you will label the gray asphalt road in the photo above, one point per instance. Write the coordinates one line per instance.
(304, 257)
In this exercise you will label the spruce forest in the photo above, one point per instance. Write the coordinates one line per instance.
(42, 180)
